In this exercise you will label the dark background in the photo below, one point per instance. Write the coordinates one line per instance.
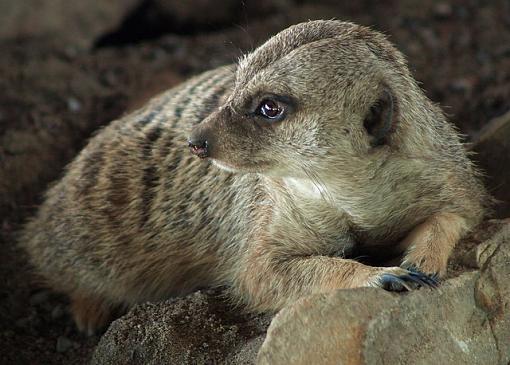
(68, 67)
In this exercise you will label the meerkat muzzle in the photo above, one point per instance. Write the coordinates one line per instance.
(199, 148)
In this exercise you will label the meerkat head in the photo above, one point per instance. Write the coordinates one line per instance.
(317, 96)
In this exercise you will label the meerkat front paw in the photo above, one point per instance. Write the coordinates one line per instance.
(429, 245)
(399, 279)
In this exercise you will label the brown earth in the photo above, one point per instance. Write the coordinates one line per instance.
(59, 84)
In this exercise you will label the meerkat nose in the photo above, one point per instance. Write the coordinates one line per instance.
(198, 148)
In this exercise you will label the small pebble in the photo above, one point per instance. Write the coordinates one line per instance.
(73, 104)
(64, 344)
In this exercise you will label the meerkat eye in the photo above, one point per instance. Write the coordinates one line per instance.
(270, 109)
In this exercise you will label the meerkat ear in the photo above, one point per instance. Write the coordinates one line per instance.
(380, 119)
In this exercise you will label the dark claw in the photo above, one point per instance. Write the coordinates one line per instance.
(431, 280)
(392, 282)
(406, 282)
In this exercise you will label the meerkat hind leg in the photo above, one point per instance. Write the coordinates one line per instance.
(430, 244)
(91, 313)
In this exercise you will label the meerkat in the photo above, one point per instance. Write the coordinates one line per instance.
(317, 145)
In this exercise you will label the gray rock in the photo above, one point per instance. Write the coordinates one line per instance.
(82, 23)
(465, 321)
(73, 22)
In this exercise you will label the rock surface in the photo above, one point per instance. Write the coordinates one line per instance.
(68, 22)
(86, 24)
(465, 321)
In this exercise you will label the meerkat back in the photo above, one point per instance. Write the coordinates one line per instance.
(97, 235)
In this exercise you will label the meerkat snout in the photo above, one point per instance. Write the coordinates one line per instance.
(199, 147)
(202, 140)
(241, 133)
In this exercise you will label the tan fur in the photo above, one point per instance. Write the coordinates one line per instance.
(279, 209)
(429, 245)
(90, 312)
